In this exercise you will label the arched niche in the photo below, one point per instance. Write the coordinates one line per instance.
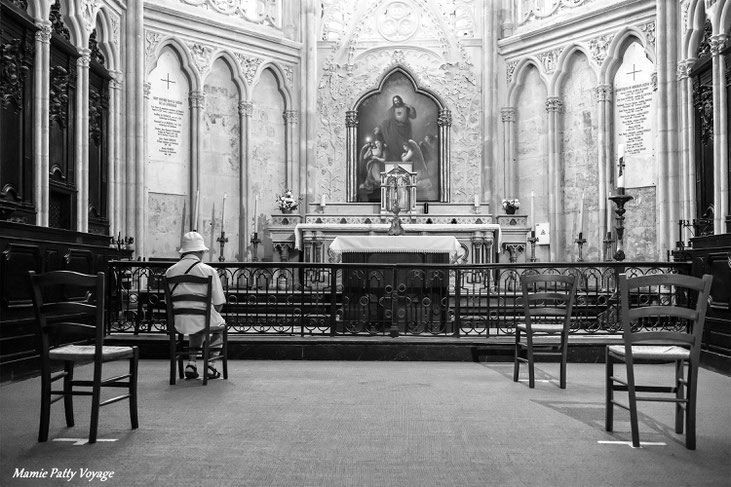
(398, 123)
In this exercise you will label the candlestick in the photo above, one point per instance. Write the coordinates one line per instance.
(620, 200)
(222, 240)
(532, 240)
(531, 217)
(580, 242)
(608, 241)
(255, 244)
(323, 200)
(620, 167)
(581, 214)
(256, 215)
(477, 201)
(195, 210)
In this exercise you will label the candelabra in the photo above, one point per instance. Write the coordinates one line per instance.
(620, 199)
(222, 240)
(255, 241)
(580, 242)
(122, 243)
(532, 241)
(608, 242)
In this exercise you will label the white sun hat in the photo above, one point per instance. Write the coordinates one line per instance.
(192, 242)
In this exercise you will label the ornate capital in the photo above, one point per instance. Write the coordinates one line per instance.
(43, 34)
(718, 44)
(684, 68)
(84, 59)
(197, 99)
(444, 118)
(351, 118)
(508, 114)
(554, 104)
(246, 109)
(291, 117)
(603, 93)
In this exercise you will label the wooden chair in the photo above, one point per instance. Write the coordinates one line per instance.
(69, 308)
(681, 316)
(548, 301)
(182, 305)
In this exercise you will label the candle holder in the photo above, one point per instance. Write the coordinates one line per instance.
(608, 244)
(620, 199)
(532, 241)
(255, 241)
(580, 242)
(222, 241)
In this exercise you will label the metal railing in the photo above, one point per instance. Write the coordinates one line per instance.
(318, 299)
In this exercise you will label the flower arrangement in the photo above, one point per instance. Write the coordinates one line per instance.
(513, 204)
(287, 202)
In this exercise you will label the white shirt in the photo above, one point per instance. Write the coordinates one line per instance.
(195, 323)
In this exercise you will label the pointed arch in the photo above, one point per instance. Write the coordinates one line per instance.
(521, 70)
(235, 68)
(695, 29)
(280, 77)
(106, 41)
(184, 57)
(562, 65)
(384, 78)
(615, 52)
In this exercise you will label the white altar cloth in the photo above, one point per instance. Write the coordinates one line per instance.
(395, 244)
(415, 229)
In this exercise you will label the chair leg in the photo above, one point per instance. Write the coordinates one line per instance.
(206, 356)
(531, 369)
(173, 358)
(133, 368)
(564, 358)
(516, 362)
(679, 395)
(690, 408)
(609, 390)
(224, 352)
(68, 398)
(45, 419)
(95, 400)
(632, 399)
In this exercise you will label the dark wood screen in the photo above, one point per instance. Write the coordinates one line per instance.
(98, 141)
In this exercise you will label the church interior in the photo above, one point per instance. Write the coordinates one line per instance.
(464, 142)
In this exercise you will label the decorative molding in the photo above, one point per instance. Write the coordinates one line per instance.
(115, 30)
(649, 30)
(507, 114)
(17, 61)
(703, 103)
(147, 88)
(291, 117)
(510, 70)
(246, 109)
(98, 103)
(201, 56)
(444, 118)
(397, 21)
(554, 104)
(197, 99)
(549, 59)
(262, 12)
(289, 76)
(684, 68)
(603, 93)
(84, 59)
(542, 9)
(117, 81)
(351, 118)
(249, 66)
(89, 11)
(718, 44)
(96, 54)
(653, 80)
(152, 39)
(57, 21)
(59, 97)
(44, 32)
(599, 48)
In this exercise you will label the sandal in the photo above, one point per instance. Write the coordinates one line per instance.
(191, 371)
(213, 373)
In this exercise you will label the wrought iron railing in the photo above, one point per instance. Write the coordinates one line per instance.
(316, 299)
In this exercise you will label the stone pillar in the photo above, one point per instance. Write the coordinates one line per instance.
(687, 148)
(196, 100)
(82, 139)
(554, 106)
(351, 145)
(138, 96)
(41, 88)
(444, 122)
(308, 94)
(246, 214)
(490, 144)
(720, 135)
(115, 180)
(605, 153)
(508, 118)
(290, 125)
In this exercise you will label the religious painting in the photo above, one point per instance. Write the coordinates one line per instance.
(397, 126)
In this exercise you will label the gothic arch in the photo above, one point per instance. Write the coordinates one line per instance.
(279, 76)
(521, 70)
(616, 50)
(562, 66)
(235, 70)
(695, 30)
(184, 57)
(390, 72)
(106, 41)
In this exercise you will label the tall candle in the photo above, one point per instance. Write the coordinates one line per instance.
(323, 200)
(256, 214)
(581, 213)
(477, 201)
(223, 211)
(620, 166)
(531, 217)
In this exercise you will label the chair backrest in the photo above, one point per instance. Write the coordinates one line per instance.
(668, 309)
(548, 298)
(69, 307)
(188, 297)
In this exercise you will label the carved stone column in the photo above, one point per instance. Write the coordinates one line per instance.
(554, 106)
(197, 100)
(246, 214)
(351, 144)
(444, 122)
(720, 134)
(290, 127)
(41, 80)
(508, 118)
(687, 139)
(116, 182)
(82, 139)
(606, 166)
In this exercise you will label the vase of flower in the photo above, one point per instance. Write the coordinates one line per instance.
(287, 202)
(511, 205)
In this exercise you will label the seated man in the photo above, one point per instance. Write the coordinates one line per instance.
(191, 252)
